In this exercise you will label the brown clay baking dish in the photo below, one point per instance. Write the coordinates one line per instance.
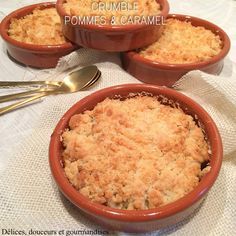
(111, 38)
(39, 56)
(137, 220)
(153, 72)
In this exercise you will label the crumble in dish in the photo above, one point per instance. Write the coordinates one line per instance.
(134, 154)
(181, 43)
(112, 13)
(41, 27)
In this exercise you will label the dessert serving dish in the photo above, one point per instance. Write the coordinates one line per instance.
(31, 46)
(150, 68)
(132, 216)
(109, 37)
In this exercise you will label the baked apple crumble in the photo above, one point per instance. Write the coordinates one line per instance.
(112, 11)
(181, 43)
(134, 154)
(41, 27)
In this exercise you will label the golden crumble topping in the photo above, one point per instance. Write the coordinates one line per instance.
(134, 154)
(111, 10)
(181, 42)
(42, 27)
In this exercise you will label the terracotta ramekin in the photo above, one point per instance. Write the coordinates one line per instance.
(38, 56)
(152, 72)
(112, 38)
(140, 220)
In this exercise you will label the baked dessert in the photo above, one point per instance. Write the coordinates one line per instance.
(41, 27)
(134, 154)
(114, 12)
(181, 43)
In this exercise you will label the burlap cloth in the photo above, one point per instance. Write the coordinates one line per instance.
(29, 198)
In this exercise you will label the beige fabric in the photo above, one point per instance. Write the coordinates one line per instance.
(217, 95)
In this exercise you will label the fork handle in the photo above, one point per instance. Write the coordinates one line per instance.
(9, 84)
(10, 97)
(14, 106)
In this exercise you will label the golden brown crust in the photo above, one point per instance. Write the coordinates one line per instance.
(134, 154)
(83, 8)
(42, 27)
(182, 42)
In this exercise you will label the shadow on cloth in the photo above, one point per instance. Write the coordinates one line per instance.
(228, 68)
(79, 215)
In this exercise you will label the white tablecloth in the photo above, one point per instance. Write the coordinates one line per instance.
(20, 127)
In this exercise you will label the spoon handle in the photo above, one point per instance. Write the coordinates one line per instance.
(9, 84)
(21, 103)
(10, 97)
